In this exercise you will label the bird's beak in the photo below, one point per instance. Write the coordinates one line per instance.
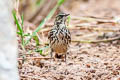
(67, 14)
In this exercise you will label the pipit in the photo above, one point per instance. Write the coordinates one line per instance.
(59, 36)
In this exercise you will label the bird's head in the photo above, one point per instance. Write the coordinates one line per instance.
(61, 18)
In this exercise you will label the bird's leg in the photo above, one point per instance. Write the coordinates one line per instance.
(65, 57)
(51, 54)
(51, 60)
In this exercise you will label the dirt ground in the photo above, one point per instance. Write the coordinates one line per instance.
(94, 53)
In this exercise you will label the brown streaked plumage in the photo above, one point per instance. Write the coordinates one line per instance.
(59, 36)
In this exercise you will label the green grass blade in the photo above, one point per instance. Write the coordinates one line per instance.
(68, 21)
(18, 33)
(41, 50)
(19, 27)
(22, 17)
(27, 34)
(39, 2)
(36, 40)
(17, 22)
(60, 2)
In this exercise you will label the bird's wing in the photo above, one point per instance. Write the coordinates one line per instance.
(68, 36)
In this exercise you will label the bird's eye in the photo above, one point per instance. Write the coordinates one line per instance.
(61, 16)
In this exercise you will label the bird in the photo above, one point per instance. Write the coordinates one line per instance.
(59, 36)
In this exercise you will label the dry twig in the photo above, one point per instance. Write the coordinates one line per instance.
(34, 58)
(97, 41)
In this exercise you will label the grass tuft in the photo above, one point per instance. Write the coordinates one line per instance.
(19, 26)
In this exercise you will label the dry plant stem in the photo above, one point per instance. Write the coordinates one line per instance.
(84, 28)
(91, 17)
(17, 11)
(39, 38)
(97, 29)
(31, 77)
(42, 40)
(35, 58)
(80, 26)
(97, 41)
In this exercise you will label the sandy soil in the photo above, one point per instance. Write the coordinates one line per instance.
(86, 60)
